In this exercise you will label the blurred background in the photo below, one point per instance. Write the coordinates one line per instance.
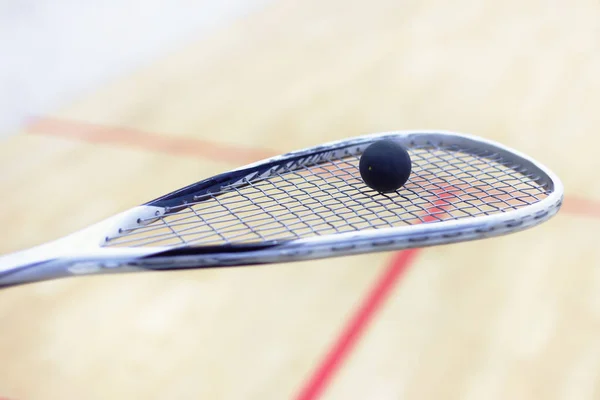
(53, 52)
(105, 106)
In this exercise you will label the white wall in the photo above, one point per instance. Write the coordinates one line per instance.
(53, 50)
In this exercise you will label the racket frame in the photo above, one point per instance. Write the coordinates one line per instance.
(83, 252)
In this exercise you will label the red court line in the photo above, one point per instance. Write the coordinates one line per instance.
(357, 325)
(376, 297)
(580, 206)
(127, 137)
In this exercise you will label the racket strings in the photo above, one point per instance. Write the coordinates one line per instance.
(330, 197)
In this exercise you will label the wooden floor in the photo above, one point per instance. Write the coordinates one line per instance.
(511, 318)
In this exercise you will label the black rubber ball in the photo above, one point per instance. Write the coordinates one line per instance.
(385, 166)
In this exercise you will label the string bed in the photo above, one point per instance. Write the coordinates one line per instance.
(447, 183)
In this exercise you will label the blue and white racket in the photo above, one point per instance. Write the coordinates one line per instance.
(310, 204)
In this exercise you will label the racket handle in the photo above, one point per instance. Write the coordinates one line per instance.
(41, 271)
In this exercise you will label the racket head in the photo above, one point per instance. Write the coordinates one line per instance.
(309, 204)
(461, 188)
